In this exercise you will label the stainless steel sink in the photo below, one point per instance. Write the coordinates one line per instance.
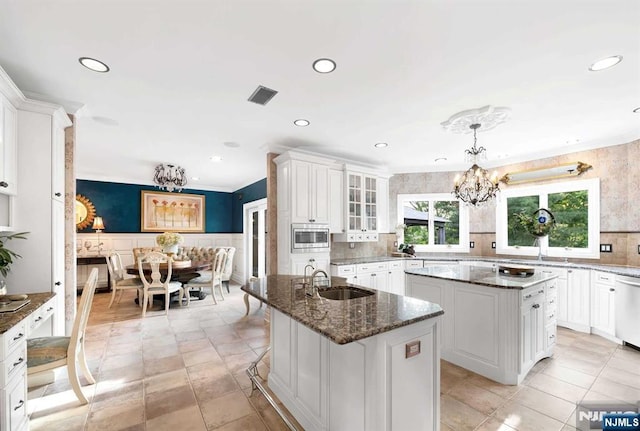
(342, 293)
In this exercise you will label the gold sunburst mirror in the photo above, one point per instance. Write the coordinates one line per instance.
(85, 212)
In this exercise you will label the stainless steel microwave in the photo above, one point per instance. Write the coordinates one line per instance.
(309, 237)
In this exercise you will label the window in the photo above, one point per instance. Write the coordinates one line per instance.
(446, 230)
(575, 206)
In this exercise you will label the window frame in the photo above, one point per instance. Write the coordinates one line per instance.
(592, 186)
(462, 247)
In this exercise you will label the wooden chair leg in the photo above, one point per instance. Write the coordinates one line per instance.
(246, 303)
(145, 300)
(213, 294)
(75, 381)
(166, 302)
(82, 359)
(113, 296)
(226, 284)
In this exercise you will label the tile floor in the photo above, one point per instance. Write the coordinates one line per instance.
(186, 372)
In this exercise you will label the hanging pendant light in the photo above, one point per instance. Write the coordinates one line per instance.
(170, 177)
(474, 187)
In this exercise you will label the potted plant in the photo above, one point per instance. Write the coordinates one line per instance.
(7, 256)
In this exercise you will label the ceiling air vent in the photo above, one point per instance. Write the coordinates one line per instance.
(262, 95)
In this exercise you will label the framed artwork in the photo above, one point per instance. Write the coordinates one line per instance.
(166, 212)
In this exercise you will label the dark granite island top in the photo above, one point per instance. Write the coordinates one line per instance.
(482, 276)
(341, 321)
(9, 319)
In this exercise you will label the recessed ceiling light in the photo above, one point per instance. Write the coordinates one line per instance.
(381, 145)
(301, 122)
(93, 64)
(195, 178)
(216, 158)
(605, 63)
(637, 110)
(324, 65)
(231, 144)
(440, 159)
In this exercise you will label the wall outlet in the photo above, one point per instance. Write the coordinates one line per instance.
(606, 248)
(352, 245)
(395, 244)
(493, 244)
(472, 244)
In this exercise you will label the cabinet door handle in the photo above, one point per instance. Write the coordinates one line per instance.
(4, 184)
(569, 270)
(19, 361)
(551, 316)
(611, 289)
(17, 337)
(312, 260)
(50, 308)
(552, 336)
(373, 275)
(38, 319)
(528, 296)
(19, 405)
(58, 194)
(552, 301)
(58, 283)
(540, 291)
(535, 306)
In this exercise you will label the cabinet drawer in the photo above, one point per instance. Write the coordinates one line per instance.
(13, 364)
(346, 270)
(560, 272)
(396, 265)
(41, 315)
(413, 264)
(550, 335)
(369, 237)
(13, 337)
(551, 315)
(15, 403)
(372, 267)
(552, 288)
(605, 278)
(533, 294)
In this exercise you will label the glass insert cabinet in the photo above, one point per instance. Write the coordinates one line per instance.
(362, 203)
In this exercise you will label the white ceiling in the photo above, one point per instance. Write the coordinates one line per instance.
(181, 73)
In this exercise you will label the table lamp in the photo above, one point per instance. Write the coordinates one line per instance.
(98, 226)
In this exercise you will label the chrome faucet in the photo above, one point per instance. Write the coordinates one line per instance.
(314, 288)
(305, 270)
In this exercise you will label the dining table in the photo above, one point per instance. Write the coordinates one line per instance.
(179, 272)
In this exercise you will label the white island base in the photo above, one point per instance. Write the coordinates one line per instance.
(369, 384)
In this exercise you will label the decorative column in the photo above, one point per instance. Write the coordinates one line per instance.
(70, 275)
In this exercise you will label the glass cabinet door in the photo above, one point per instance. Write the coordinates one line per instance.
(370, 204)
(355, 202)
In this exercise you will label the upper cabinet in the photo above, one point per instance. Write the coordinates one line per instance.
(309, 192)
(8, 148)
(366, 197)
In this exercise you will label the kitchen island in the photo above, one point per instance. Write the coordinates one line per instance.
(496, 325)
(369, 363)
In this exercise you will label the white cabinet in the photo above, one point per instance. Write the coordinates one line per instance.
(346, 271)
(13, 382)
(361, 200)
(8, 147)
(309, 192)
(316, 260)
(532, 326)
(578, 301)
(336, 201)
(374, 275)
(395, 283)
(602, 303)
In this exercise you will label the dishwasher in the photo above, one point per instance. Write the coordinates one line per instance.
(627, 308)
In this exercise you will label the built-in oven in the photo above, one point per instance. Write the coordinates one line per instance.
(310, 237)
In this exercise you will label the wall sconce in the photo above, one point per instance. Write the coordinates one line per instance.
(98, 226)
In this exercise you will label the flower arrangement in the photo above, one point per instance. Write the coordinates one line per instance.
(168, 239)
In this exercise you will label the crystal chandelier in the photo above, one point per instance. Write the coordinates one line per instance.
(169, 177)
(474, 187)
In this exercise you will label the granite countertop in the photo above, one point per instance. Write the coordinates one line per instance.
(341, 321)
(629, 271)
(481, 276)
(11, 319)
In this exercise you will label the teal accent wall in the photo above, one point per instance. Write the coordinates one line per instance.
(119, 206)
(250, 193)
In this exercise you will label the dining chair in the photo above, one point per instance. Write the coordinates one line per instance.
(155, 284)
(119, 279)
(48, 353)
(210, 279)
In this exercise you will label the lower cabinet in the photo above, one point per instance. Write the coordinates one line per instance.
(395, 282)
(366, 385)
(316, 260)
(374, 275)
(602, 304)
(497, 333)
